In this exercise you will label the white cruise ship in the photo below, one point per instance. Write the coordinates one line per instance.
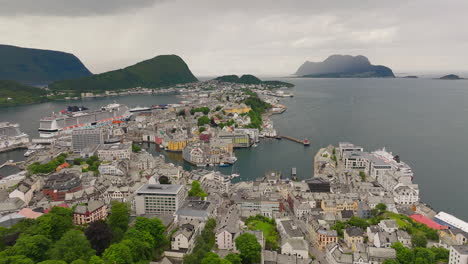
(67, 122)
(11, 136)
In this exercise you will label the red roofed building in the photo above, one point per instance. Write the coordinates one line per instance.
(64, 205)
(64, 165)
(428, 222)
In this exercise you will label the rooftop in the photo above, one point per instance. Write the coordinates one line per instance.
(159, 189)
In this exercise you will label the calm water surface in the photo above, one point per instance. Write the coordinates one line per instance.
(424, 121)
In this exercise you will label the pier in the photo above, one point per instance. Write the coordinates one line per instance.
(304, 142)
(8, 163)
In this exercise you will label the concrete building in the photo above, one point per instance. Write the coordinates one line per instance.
(82, 138)
(115, 152)
(159, 199)
(184, 238)
(295, 246)
(458, 254)
(353, 236)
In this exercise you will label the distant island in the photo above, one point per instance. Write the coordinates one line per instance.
(451, 77)
(343, 66)
(160, 71)
(15, 93)
(38, 67)
(410, 77)
(251, 79)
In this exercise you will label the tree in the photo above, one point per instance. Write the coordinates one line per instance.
(139, 249)
(391, 261)
(95, 260)
(381, 207)
(79, 261)
(203, 120)
(72, 246)
(99, 235)
(136, 148)
(196, 190)
(117, 254)
(419, 240)
(118, 219)
(52, 261)
(155, 228)
(54, 224)
(211, 258)
(33, 247)
(233, 258)
(249, 248)
(19, 259)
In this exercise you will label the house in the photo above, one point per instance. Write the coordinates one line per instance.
(183, 239)
(404, 238)
(58, 185)
(379, 255)
(364, 211)
(336, 255)
(194, 212)
(288, 229)
(116, 168)
(353, 236)
(389, 225)
(91, 212)
(26, 188)
(273, 257)
(229, 228)
(458, 254)
(114, 151)
(371, 231)
(295, 246)
(384, 239)
(325, 237)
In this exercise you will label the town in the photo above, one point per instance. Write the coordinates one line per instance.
(357, 207)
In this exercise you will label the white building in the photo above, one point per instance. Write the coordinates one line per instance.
(295, 246)
(158, 199)
(183, 239)
(458, 254)
(115, 152)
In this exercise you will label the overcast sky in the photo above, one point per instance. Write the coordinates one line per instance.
(266, 37)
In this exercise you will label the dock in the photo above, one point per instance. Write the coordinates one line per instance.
(304, 142)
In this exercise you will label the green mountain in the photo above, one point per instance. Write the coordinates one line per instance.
(250, 79)
(35, 66)
(15, 93)
(343, 66)
(164, 70)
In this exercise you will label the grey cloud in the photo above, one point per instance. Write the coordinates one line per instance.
(70, 7)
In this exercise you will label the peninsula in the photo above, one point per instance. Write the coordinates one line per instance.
(343, 66)
(251, 79)
(39, 67)
(160, 71)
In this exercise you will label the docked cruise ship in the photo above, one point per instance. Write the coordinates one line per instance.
(11, 136)
(68, 121)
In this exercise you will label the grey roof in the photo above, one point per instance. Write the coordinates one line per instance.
(297, 243)
(461, 249)
(386, 253)
(354, 231)
(10, 219)
(90, 207)
(390, 223)
(159, 189)
(194, 209)
(290, 228)
(11, 204)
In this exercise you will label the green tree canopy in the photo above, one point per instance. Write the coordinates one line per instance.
(19, 259)
(118, 219)
(72, 246)
(249, 248)
(419, 240)
(233, 258)
(155, 228)
(34, 247)
(196, 190)
(117, 254)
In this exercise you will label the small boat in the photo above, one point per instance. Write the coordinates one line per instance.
(224, 165)
(235, 175)
(29, 152)
(278, 137)
(306, 142)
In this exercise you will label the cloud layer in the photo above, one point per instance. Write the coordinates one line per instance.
(260, 37)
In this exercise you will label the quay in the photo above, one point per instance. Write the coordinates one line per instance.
(304, 142)
(8, 163)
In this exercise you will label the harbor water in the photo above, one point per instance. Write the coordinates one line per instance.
(424, 121)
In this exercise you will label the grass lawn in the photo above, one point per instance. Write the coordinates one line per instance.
(269, 232)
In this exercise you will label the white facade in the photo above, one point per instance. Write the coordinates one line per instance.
(158, 199)
(458, 255)
(115, 152)
(225, 239)
(296, 246)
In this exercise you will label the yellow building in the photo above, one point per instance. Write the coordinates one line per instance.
(176, 145)
(239, 109)
(338, 205)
